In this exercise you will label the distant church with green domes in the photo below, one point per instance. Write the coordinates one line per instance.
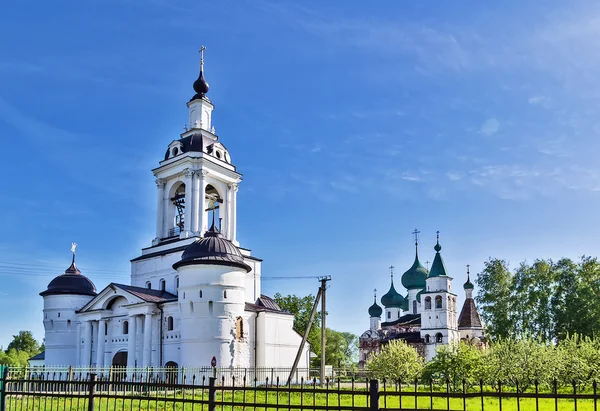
(426, 316)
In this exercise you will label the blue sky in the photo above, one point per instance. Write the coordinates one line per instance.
(352, 123)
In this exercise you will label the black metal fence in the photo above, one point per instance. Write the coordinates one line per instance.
(93, 393)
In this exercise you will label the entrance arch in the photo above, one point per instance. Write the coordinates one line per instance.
(171, 372)
(120, 359)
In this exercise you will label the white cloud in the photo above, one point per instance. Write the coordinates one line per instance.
(489, 127)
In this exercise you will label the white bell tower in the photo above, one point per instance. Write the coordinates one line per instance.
(196, 177)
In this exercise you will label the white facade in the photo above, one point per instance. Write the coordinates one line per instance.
(180, 317)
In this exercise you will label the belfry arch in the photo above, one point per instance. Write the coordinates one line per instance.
(176, 210)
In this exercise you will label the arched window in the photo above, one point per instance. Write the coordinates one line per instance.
(427, 339)
(200, 294)
(414, 306)
(428, 303)
(163, 284)
(148, 285)
(438, 301)
(210, 307)
(239, 328)
(125, 327)
(169, 323)
(177, 210)
(439, 338)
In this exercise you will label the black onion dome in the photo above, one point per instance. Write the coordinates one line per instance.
(212, 249)
(200, 86)
(72, 283)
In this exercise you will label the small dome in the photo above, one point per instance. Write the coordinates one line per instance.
(375, 310)
(392, 299)
(71, 282)
(200, 86)
(212, 249)
(468, 285)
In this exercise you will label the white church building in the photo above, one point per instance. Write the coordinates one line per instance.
(195, 293)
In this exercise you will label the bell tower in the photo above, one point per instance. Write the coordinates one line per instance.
(196, 177)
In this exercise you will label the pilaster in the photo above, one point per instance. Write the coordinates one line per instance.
(187, 219)
(160, 210)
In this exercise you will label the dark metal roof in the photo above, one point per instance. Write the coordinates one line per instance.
(40, 356)
(212, 249)
(71, 282)
(147, 294)
(413, 337)
(407, 319)
(469, 316)
(265, 303)
(159, 253)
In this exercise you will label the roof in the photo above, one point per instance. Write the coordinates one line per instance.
(438, 269)
(392, 299)
(469, 316)
(40, 356)
(212, 249)
(414, 277)
(413, 337)
(265, 304)
(147, 294)
(70, 283)
(407, 319)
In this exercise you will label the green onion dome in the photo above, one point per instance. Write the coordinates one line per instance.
(468, 285)
(414, 278)
(392, 299)
(375, 310)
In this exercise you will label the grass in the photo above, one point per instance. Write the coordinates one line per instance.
(171, 401)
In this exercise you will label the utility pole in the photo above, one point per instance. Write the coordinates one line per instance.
(323, 324)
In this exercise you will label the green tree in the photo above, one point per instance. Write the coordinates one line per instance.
(495, 284)
(565, 302)
(396, 361)
(25, 342)
(455, 363)
(341, 349)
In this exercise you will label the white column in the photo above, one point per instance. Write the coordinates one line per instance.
(200, 226)
(234, 215)
(131, 342)
(78, 346)
(100, 345)
(139, 340)
(147, 339)
(94, 338)
(189, 203)
(160, 211)
(227, 229)
(87, 344)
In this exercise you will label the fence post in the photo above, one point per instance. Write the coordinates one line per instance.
(212, 394)
(3, 382)
(91, 391)
(374, 395)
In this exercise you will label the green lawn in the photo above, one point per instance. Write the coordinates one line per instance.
(259, 397)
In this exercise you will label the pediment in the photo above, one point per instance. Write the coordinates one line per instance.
(107, 295)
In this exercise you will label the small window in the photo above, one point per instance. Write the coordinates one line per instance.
(105, 328)
(125, 327)
(148, 285)
(163, 284)
(239, 329)
(414, 306)
(210, 307)
(218, 154)
(177, 282)
(439, 338)
(58, 315)
(224, 293)
(170, 323)
(438, 301)
(427, 339)
(69, 324)
(389, 315)
(398, 314)
(175, 151)
(428, 303)
(200, 294)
